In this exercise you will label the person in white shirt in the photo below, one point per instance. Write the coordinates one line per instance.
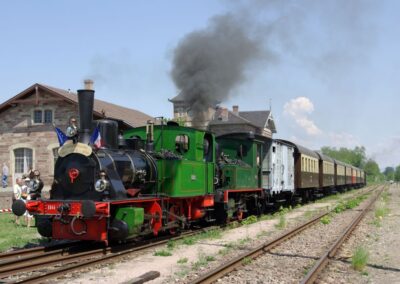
(26, 190)
(19, 193)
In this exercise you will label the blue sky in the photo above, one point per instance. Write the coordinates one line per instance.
(333, 81)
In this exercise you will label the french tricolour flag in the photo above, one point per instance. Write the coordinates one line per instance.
(95, 140)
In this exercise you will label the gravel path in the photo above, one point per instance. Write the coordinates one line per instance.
(290, 261)
(188, 261)
(380, 238)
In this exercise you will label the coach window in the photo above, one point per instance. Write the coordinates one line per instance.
(182, 143)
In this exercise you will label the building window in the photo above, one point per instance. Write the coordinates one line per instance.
(37, 116)
(23, 160)
(48, 116)
(42, 116)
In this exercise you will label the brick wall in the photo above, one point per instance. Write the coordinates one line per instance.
(17, 130)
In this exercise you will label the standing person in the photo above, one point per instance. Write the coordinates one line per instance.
(19, 194)
(72, 129)
(5, 173)
(26, 190)
(35, 186)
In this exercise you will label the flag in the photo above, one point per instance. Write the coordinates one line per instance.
(95, 140)
(61, 136)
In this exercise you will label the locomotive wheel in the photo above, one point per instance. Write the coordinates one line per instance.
(156, 215)
(175, 211)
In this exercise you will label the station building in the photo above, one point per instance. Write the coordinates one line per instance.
(27, 136)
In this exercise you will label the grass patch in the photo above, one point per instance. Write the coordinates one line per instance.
(250, 220)
(261, 234)
(349, 204)
(359, 259)
(381, 212)
(182, 260)
(233, 225)
(17, 236)
(385, 196)
(340, 207)
(282, 222)
(162, 253)
(182, 272)
(308, 213)
(326, 220)
(227, 249)
(209, 234)
(171, 244)
(243, 241)
(247, 260)
(265, 217)
(202, 261)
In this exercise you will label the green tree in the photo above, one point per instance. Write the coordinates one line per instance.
(397, 173)
(372, 171)
(355, 157)
(389, 173)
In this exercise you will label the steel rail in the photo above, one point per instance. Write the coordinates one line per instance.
(225, 268)
(313, 273)
(19, 253)
(229, 266)
(39, 256)
(90, 262)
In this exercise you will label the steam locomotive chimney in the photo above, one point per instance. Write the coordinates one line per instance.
(85, 103)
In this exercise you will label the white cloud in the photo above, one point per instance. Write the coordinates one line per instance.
(299, 109)
(343, 139)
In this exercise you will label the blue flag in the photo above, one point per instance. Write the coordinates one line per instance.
(61, 136)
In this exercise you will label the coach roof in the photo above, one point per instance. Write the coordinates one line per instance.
(302, 150)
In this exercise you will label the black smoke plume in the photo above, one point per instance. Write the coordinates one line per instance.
(209, 63)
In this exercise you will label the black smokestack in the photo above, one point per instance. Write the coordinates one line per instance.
(85, 103)
(209, 63)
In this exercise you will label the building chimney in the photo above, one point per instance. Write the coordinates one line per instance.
(88, 84)
(235, 109)
(223, 114)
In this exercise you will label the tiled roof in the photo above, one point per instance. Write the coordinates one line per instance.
(129, 116)
(232, 119)
(258, 118)
(255, 118)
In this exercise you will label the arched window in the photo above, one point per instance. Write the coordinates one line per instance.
(23, 160)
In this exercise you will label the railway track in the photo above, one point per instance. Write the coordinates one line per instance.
(72, 256)
(237, 262)
(315, 271)
(47, 265)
